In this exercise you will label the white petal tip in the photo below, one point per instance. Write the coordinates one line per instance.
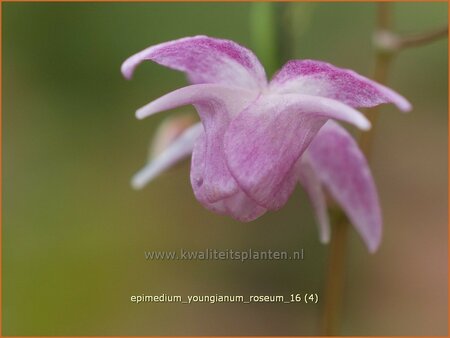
(127, 69)
(373, 247)
(364, 124)
(148, 110)
(142, 113)
(324, 239)
(404, 106)
(399, 101)
(139, 115)
(136, 184)
(141, 179)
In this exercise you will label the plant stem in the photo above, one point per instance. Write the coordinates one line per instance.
(336, 275)
(380, 74)
(382, 65)
(264, 34)
(391, 42)
(384, 18)
(421, 39)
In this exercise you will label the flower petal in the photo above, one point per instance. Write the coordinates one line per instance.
(168, 131)
(342, 168)
(179, 149)
(265, 140)
(311, 183)
(210, 176)
(231, 100)
(243, 208)
(323, 79)
(237, 206)
(216, 105)
(205, 60)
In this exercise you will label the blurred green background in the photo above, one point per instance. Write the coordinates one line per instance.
(74, 232)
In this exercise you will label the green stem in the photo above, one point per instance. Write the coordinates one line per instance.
(272, 33)
(264, 34)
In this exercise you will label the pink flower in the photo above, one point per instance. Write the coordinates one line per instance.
(247, 151)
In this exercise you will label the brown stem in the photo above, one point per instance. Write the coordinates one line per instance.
(383, 16)
(336, 273)
(421, 39)
(380, 74)
(381, 69)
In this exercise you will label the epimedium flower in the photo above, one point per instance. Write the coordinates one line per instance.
(257, 139)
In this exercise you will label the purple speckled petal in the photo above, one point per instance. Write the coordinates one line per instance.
(265, 140)
(205, 60)
(313, 187)
(178, 150)
(323, 79)
(342, 168)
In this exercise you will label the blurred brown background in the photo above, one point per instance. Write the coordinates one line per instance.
(74, 232)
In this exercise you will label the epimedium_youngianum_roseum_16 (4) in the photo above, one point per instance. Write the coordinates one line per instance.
(258, 139)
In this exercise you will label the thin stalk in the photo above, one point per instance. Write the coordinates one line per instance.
(336, 275)
(384, 16)
(380, 74)
(421, 39)
(264, 34)
(381, 70)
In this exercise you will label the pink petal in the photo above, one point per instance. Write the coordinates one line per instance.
(242, 208)
(342, 168)
(313, 187)
(216, 105)
(323, 79)
(210, 177)
(237, 206)
(178, 150)
(228, 99)
(265, 140)
(205, 60)
(168, 131)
